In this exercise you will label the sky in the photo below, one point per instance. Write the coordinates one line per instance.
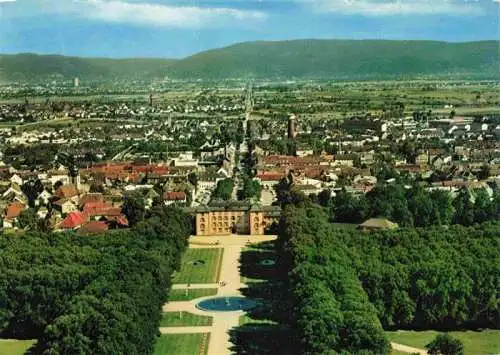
(179, 28)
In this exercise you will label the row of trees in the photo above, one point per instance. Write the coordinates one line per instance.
(99, 294)
(329, 310)
(345, 284)
(413, 206)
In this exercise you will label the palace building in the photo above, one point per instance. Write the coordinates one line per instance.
(232, 217)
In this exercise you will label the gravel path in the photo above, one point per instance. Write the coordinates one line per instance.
(408, 349)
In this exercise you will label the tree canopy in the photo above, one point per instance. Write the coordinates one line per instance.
(224, 189)
(97, 294)
(344, 285)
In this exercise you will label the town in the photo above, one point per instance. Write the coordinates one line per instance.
(70, 164)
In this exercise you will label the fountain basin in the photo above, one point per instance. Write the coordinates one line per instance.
(226, 304)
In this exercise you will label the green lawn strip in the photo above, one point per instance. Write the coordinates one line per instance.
(219, 264)
(14, 346)
(246, 319)
(205, 272)
(182, 344)
(249, 280)
(257, 247)
(395, 352)
(478, 343)
(180, 295)
(184, 319)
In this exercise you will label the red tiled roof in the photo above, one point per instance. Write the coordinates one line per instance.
(91, 197)
(292, 160)
(101, 209)
(14, 210)
(121, 220)
(73, 220)
(93, 227)
(67, 191)
(174, 196)
(270, 176)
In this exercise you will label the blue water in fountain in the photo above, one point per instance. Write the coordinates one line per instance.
(226, 304)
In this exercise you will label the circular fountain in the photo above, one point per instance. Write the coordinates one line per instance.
(226, 304)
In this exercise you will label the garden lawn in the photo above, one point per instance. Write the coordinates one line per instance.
(180, 295)
(207, 271)
(184, 319)
(14, 346)
(249, 280)
(246, 319)
(486, 342)
(182, 344)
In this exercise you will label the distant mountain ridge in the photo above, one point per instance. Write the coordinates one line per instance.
(313, 58)
(29, 66)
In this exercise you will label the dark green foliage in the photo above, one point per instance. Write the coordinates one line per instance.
(32, 189)
(224, 189)
(344, 284)
(415, 206)
(193, 179)
(331, 312)
(464, 208)
(445, 344)
(286, 193)
(134, 207)
(28, 220)
(91, 295)
(347, 208)
(429, 278)
(251, 189)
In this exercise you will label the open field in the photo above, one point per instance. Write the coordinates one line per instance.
(200, 266)
(184, 319)
(486, 342)
(60, 123)
(180, 295)
(182, 344)
(14, 346)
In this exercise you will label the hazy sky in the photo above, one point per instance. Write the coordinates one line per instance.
(176, 28)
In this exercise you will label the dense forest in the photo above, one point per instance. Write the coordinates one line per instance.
(96, 294)
(345, 286)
